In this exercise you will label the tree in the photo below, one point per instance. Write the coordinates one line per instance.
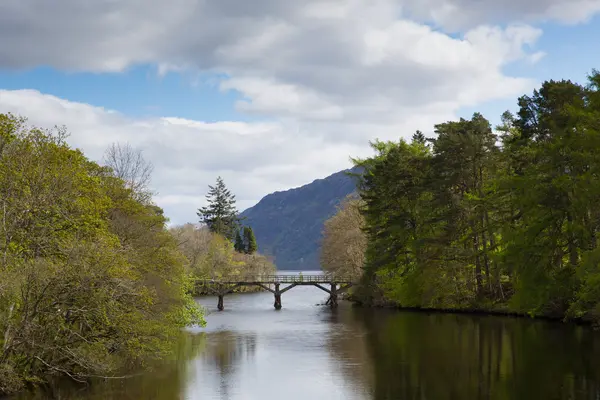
(344, 242)
(239, 245)
(220, 215)
(463, 161)
(250, 245)
(418, 137)
(129, 165)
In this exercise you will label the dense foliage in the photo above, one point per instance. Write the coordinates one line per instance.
(492, 220)
(246, 243)
(212, 256)
(250, 245)
(91, 282)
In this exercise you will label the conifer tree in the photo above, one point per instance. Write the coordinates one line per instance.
(239, 245)
(418, 137)
(249, 241)
(220, 215)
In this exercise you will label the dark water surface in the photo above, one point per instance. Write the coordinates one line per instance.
(304, 352)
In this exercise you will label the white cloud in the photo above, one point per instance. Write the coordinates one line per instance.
(253, 158)
(464, 14)
(327, 75)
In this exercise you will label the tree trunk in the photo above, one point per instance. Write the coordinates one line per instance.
(486, 259)
(477, 263)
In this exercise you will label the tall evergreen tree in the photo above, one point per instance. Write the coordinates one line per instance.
(220, 215)
(239, 245)
(249, 240)
(418, 137)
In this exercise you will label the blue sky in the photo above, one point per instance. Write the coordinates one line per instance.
(571, 52)
(273, 103)
(138, 92)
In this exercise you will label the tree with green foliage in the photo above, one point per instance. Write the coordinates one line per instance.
(211, 256)
(220, 215)
(91, 282)
(239, 245)
(465, 223)
(250, 245)
(418, 137)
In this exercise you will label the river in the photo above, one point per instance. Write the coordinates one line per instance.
(304, 352)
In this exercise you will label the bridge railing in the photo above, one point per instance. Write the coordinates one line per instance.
(324, 278)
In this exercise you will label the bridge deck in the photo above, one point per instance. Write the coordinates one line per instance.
(272, 283)
(274, 279)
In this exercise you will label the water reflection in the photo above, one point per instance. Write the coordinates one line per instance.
(226, 353)
(164, 382)
(441, 356)
(303, 352)
(349, 346)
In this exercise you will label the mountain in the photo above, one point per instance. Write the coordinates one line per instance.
(288, 225)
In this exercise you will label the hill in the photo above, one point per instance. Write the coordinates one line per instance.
(288, 225)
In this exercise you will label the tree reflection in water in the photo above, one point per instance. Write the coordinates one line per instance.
(163, 381)
(347, 344)
(224, 352)
(448, 356)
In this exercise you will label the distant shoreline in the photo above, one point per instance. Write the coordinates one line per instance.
(472, 311)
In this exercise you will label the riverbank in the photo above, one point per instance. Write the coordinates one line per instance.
(482, 311)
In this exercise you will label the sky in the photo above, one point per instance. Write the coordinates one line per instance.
(272, 94)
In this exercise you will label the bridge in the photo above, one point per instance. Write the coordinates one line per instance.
(272, 283)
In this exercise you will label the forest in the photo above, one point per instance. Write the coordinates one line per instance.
(501, 219)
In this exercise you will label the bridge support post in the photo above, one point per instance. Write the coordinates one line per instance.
(277, 294)
(333, 296)
(220, 303)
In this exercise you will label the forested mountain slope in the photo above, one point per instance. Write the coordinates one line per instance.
(288, 225)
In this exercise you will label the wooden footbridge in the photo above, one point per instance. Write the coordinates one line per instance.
(272, 283)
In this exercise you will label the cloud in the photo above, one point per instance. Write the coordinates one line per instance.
(457, 15)
(326, 76)
(316, 60)
(253, 158)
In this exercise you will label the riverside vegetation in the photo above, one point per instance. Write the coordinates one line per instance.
(92, 283)
(477, 219)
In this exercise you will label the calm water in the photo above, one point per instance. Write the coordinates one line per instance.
(304, 351)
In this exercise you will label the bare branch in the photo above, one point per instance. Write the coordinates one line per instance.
(129, 165)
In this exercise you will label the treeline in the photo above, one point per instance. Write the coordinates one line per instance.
(503, 219)
(91, 282)
(212, 256)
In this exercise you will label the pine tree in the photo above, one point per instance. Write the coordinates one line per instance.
(418, 137)
(220, 215)
(239, 245)
(249, 241)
